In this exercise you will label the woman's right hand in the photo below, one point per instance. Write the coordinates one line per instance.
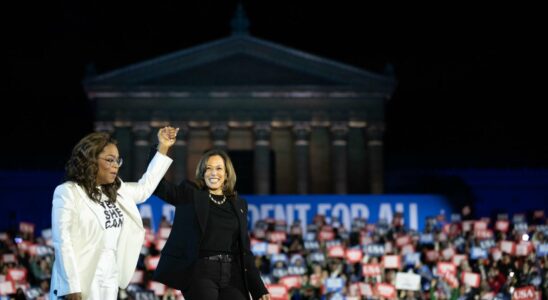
(73, 296)
(166, 138)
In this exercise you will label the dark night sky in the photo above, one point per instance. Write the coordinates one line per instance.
(465, 96)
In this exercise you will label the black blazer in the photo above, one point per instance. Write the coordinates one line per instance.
(183, 245)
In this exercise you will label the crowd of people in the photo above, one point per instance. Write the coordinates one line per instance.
(503, 257)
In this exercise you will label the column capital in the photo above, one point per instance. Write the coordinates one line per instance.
(339, 131)
(141, 126)
(159, 119)
(105, 126)
(375, 132)
(262, 131)
(301, 130)
(219, 133)
(141, 131)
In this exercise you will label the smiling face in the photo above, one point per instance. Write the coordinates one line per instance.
(107, 165)
(215, 174)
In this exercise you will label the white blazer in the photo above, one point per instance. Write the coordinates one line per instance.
(78, 233)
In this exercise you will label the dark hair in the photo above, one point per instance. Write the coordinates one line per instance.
(230, 178)
(82, 166)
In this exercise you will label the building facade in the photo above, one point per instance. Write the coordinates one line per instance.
(293, 122)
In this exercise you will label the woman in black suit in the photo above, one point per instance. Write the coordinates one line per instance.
(207, 255)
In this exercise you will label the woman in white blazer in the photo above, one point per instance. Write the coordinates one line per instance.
(97, 230)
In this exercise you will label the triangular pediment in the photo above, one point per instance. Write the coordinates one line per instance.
(236, 61)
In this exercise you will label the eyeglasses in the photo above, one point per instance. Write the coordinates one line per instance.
(111, 161)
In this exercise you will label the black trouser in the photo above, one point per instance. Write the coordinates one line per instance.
(216, 280)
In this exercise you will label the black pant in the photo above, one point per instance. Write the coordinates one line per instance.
(215, 280)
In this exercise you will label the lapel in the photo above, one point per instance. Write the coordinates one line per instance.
(130, 209)
(237, 204)
(201, 205)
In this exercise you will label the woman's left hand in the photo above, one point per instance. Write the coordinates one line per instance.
(166, 138)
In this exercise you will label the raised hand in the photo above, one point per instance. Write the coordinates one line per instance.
(166, 138)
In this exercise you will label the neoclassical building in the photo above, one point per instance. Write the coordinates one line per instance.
(293, 122)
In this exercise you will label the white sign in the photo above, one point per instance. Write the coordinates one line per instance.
(408, 281)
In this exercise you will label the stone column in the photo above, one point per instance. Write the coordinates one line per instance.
(141, 148)
(123, 135)
(179, 154)
(261, 158)
(375, 148)
(302, 152)
(339, 131)
(219, 135)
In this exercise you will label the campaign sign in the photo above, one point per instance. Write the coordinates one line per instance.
(508, 247)
(496, 254)
(366, 289)
(521, 227)
(471, 279)
(316, 257)
(426, 239)
(311, 245)
(160, 244)
(502, 225)
(432, 255)
(151, 262)
(344, 208)
(408, 281)
(451, 279)
(334, 284)
(6, 288)
(446, 267)
(137, 277)
(374, 250)
(17, 275)
(273, 249)
(336, 251)
(386, 290)
(411, 259)
(391, 261)
(525, 293)
(487, 244)
(277, 291)
(477, 253)
(291, 281)
(164, 232)
(371, 270)
(354, 255)
(259, 249)
(458, 258)
(542, 250)
(9, 258)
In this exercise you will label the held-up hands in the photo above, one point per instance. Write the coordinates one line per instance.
(166, 138)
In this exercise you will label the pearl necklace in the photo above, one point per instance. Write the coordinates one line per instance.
(217, 201)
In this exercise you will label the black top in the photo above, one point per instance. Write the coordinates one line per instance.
(222, 229)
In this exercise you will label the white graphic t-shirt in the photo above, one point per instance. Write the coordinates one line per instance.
(112, 220)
